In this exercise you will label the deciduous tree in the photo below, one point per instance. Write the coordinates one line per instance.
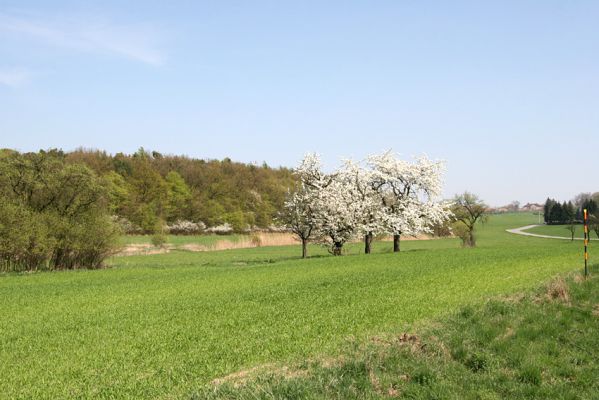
(297, 215)
(409, 193)
(468, 210)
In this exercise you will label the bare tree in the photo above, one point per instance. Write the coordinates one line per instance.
(468, 210)
(569, 213)
(571, 228)
(594, 223)
(514, 206)
(580, 199)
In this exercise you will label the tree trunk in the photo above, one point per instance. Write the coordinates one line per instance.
(337, 247)
(368, 243)
(304, 248)
(396, 240)
(471, 239)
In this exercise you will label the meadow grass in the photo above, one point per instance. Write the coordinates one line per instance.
(162, 326)
(542, 345)
(560, 230)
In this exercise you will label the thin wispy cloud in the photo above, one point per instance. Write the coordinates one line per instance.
(14, 77)
(88, 34)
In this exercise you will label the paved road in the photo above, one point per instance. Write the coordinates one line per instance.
(520, 231)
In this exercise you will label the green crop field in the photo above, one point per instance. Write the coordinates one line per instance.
(560, 230)
(541, 344)
(162, 326)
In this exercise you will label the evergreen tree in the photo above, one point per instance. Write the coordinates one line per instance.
(549, 203)
(556, 214)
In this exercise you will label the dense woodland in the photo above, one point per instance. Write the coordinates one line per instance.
(149, 190)
(66, 210)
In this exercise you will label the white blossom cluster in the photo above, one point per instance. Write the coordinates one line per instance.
(182, 227)
(223, 229)
(382, 195)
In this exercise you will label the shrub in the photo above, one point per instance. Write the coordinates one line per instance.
(462, 231)
(24, 239)
(159, 240)
(54, 214)
(256, 240)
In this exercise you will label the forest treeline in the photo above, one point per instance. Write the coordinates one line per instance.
(67, 209)
(149, 190)
(571, 212)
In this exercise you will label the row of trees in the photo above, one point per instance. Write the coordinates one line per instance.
(382, 196)
(570, 212)
(560, 213)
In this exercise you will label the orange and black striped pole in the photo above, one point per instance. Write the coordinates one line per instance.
(586, 243)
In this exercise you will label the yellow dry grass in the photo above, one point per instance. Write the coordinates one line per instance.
(261, 239)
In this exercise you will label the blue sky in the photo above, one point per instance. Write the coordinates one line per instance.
(506, 92)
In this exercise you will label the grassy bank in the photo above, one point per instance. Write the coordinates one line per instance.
(163, 326)
(542, 345)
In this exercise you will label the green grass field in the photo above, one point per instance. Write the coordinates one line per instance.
(162, 326)
(560, 230)
(539, 345)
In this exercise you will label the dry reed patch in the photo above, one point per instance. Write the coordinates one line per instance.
(557, 290)
(406, 238)
(596, 310)
(193, 247)
(262, 239)
(144, 248)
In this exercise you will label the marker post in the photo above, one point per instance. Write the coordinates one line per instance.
(586, 243)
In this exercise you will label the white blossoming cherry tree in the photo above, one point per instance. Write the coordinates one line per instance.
(366, 200)
(298, 217)
(299, 210)
(410, 193)
(387, 196)
(333, 206)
